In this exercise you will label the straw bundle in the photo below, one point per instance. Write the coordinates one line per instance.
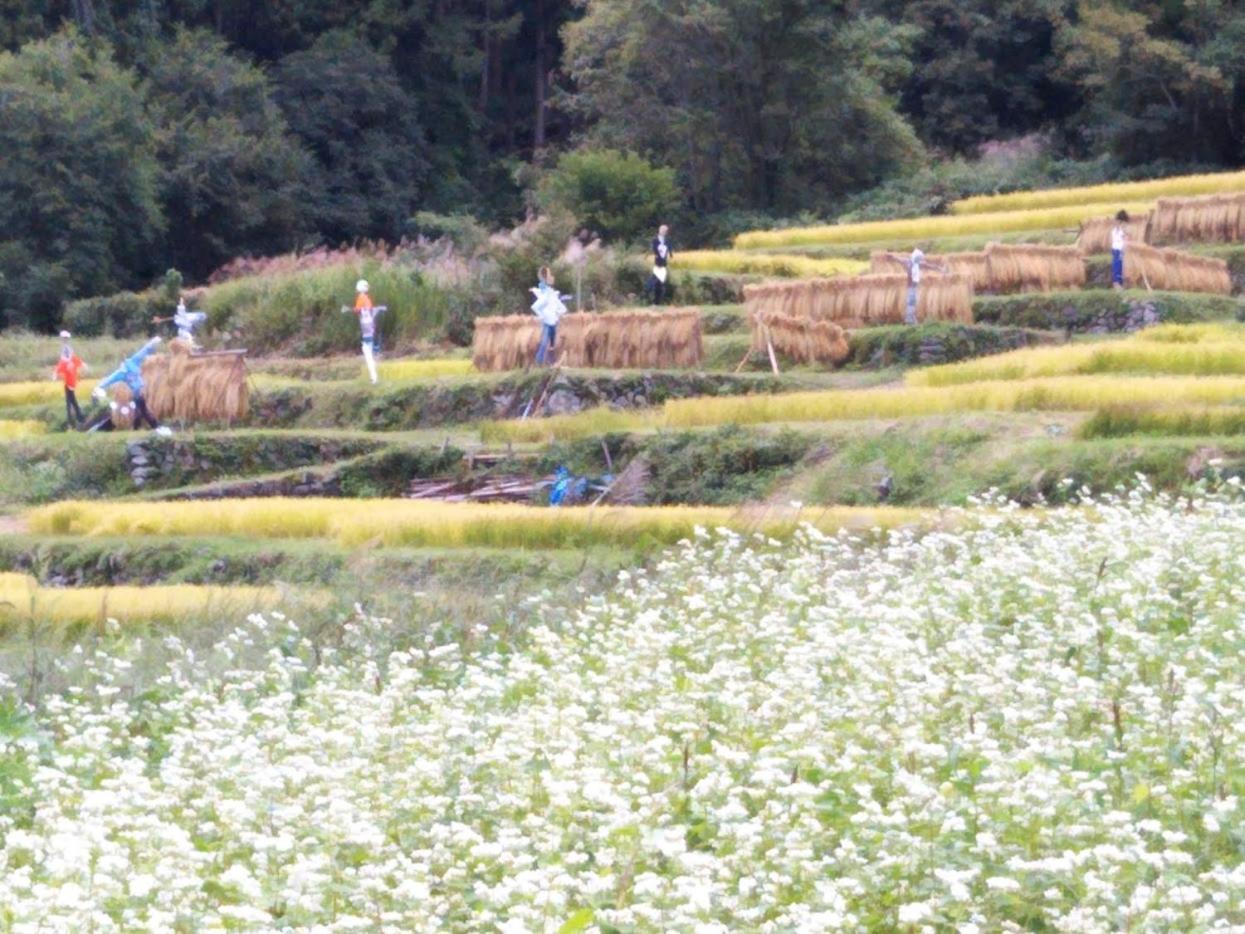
(189, 387)
(804, 340)
(862, 301)
(1171, 270)
(627, 339)
(972, 265)
(1213, 219)
(1034, 268)
(1095, 235)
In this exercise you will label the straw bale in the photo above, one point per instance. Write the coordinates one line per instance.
(1095, 235)
(1032, 267)
(626, 339)
(804, 340)
(187, 387)
(862, 301)
(1172, 270)
(1209, 219)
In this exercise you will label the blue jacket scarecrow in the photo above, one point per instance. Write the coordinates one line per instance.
(130, 371)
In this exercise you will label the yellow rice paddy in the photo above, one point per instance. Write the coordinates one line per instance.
(1174, 186)
(22, 599)
(357, 523)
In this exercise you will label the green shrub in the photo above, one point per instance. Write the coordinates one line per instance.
(1176, 421)
(618, 195)
(124, 314)
(301, 313)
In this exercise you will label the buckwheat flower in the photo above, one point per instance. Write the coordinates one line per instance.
(914, 912)
(1002, 884)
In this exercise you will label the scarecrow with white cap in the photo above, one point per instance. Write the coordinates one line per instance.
(367, 313)
(913, 265)
(68, 368)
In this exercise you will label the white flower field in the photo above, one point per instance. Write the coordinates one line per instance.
(1028, 720)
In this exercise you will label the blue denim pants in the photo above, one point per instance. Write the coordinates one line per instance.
(1117, 267)
(548, 336)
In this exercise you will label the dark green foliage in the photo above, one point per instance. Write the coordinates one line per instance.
(1159, 80)
(78, 182)
(1103, 311)
(1123, 421)
(755, 104)
(723, 467)
(233, 179)
(122, 314)
(389, 472)
(345, 101)
(986, 69)
(619, 196)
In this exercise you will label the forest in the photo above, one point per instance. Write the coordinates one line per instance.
(140, 137)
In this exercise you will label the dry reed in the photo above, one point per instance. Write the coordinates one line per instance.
(1034, 268)
(1173, 271)
(1095, 235)
(1213, 219)
(861, 301)
(626, 339)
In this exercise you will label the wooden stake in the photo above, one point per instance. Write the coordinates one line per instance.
(744, 361)
(769, 345)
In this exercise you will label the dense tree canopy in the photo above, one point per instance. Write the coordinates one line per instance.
(1160, 80)
(756, 103)
(141, 135)
(346, 103)
(79, 211)
(233, 178)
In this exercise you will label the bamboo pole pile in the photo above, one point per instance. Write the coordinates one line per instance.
(1034, 268)
(861, 301)
(1208, 219)
(1172, 270)
(1095, 234)
(626, 339)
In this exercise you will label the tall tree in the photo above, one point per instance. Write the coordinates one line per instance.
(984, 69)
(1160, 80)
(345, 102)
(233, 178)
(772, 104)
(79, 211)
